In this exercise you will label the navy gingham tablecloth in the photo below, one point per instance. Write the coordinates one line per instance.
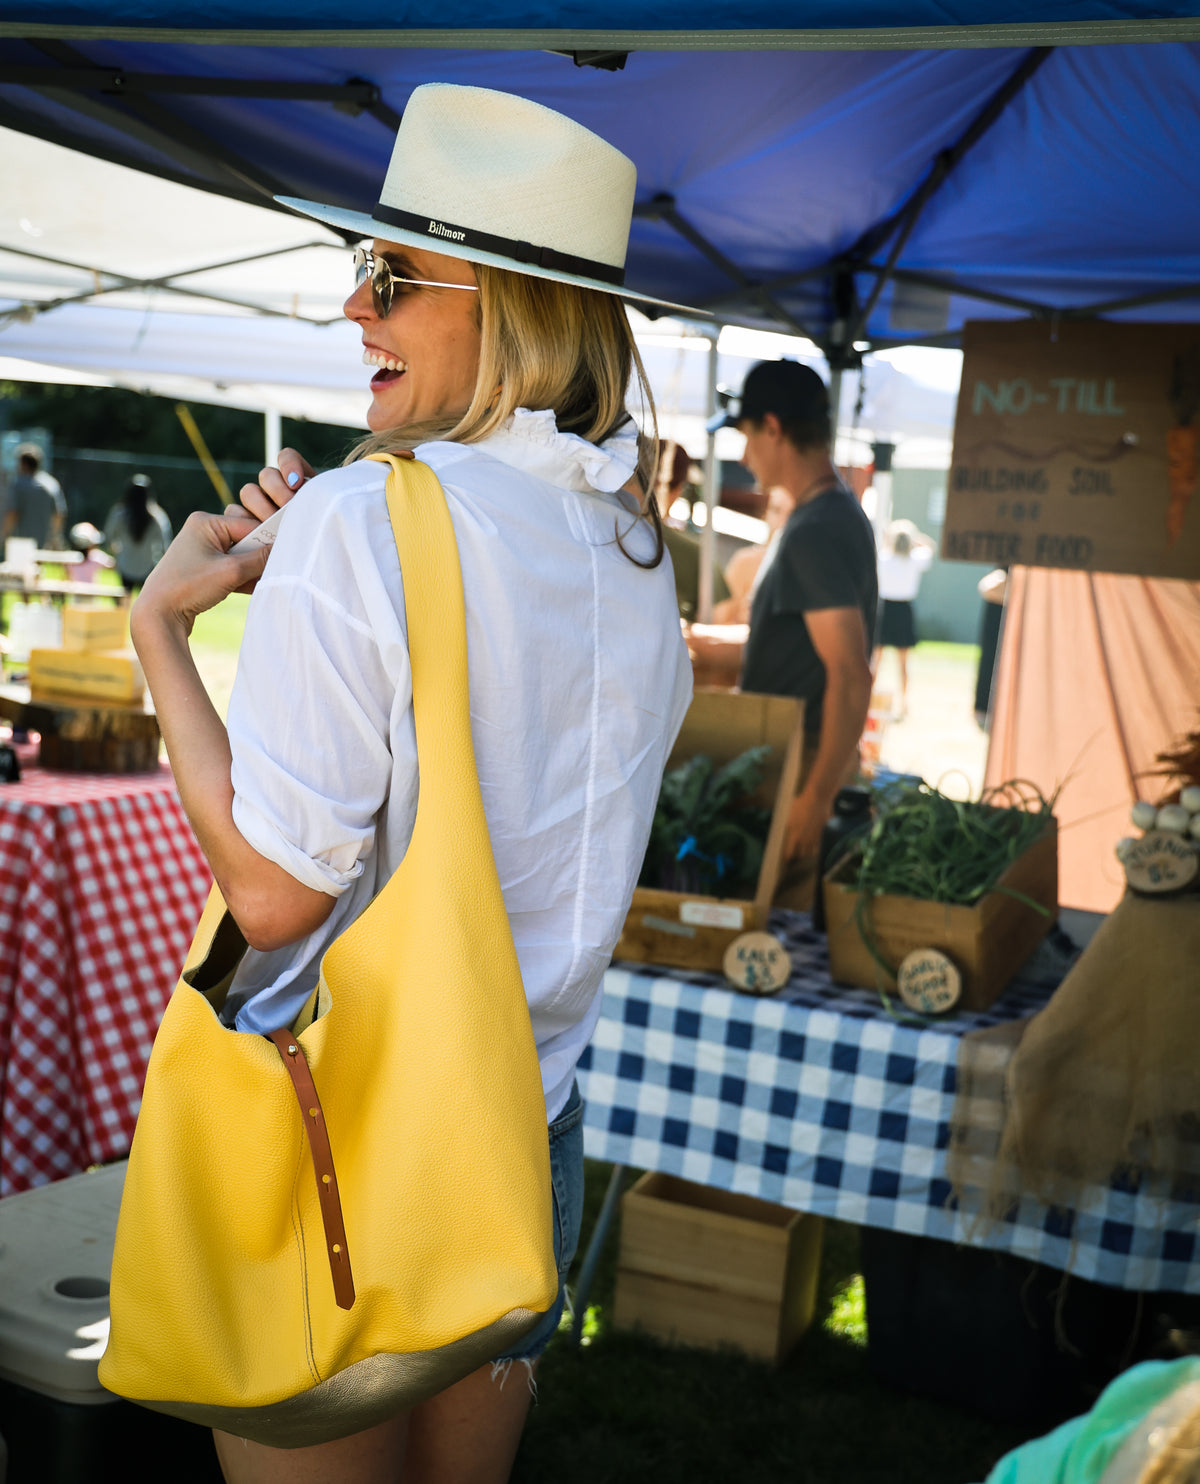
(819, 1099)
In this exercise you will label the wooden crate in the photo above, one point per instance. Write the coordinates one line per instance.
(987, 942)
(690, 931)
(707, 1268)
(87, 736)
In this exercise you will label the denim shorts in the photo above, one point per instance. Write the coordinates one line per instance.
(566, 1179)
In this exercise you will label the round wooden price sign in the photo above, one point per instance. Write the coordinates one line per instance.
(757, 963)
(1160, 862)
(928, 982)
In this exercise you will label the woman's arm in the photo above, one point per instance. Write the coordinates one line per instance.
(271, 907)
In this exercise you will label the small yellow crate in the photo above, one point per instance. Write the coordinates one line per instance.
(69, 674)
(94, 629)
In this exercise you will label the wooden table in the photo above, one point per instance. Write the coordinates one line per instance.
(87, 736)
(12, 581)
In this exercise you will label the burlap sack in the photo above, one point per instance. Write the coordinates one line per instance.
(1104, 1081)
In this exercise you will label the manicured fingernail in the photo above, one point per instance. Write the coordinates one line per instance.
(293, 479)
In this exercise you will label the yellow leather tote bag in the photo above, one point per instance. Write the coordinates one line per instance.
(326, 1226)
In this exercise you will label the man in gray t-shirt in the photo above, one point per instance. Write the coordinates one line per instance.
(813, 617)
(36, 506)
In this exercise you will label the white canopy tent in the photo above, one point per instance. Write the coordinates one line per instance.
(118, 278)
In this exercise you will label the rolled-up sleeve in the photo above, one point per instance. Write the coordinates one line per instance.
(309, 733)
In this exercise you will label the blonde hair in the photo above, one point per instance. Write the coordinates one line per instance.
(900, 537)
(555, 346)
(1178, 1458)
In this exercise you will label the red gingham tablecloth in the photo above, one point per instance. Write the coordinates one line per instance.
(101, 885)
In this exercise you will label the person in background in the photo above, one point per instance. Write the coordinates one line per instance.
(991, 589)
(1144, 1429)
(749, 564)
(89, 542)
(813, 616)
(682, 543)
(137, 532)
(904, 560)
(37, 508)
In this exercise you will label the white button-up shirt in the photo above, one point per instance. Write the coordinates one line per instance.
(579, 680)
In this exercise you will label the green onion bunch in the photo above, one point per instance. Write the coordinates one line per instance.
(923, 844)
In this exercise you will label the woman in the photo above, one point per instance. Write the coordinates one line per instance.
(1144, 1429)
(507, 366)
(137, 532)
(903, 562)
(679, 538)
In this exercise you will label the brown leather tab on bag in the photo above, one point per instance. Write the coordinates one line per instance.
(313, 1116)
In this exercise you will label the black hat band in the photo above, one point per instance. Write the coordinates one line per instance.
(505, 247)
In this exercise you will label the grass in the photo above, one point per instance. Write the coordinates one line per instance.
(215, 640)
(626, 1408)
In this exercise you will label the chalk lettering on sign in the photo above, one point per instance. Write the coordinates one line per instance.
(1018, 510)
(1000, 548)
(1001, 481)
(1075, 395)
(1062, 551)
(1086, 481)
(1015, 397)
(1070, 395)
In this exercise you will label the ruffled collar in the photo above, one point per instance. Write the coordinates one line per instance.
(531, 441)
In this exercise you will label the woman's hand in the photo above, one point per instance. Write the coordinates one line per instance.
(276, 485)
(198, 572)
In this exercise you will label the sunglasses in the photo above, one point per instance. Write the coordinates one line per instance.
(384, 281)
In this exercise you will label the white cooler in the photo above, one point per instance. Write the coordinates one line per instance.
(60, 1425)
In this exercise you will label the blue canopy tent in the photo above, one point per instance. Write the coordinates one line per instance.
(865, 173)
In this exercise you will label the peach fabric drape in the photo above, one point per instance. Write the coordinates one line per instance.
(1097, 673)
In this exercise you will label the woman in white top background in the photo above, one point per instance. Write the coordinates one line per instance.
(904, 559)
(507, 367)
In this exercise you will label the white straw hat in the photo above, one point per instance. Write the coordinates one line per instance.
(497, 179)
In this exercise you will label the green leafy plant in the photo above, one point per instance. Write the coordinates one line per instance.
(707, 836)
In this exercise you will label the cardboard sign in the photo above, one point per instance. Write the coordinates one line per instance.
(1077, 444)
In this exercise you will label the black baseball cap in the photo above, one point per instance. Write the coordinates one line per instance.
(787, 388)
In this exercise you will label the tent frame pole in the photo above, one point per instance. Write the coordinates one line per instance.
(662, 208)
(900, 225)
(164, 131)
(708, 536)
(122, 284)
